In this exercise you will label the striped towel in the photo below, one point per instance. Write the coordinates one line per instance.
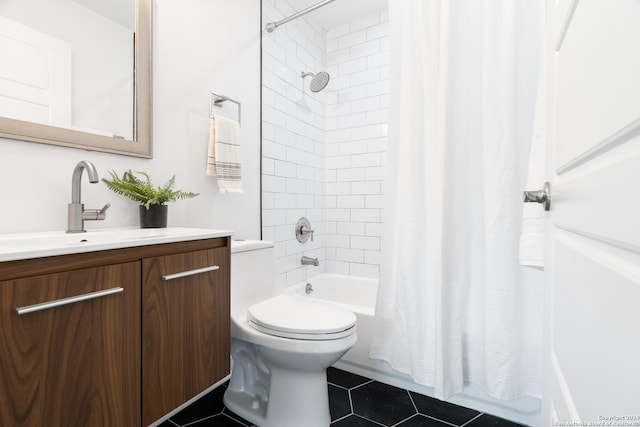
(223, 155)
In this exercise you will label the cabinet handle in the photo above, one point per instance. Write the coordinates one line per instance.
(190, 273)
(65, 301)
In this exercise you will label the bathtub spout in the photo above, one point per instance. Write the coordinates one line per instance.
(305, 260)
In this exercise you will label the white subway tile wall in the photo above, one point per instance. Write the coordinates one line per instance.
(324, 153)
(356, 139)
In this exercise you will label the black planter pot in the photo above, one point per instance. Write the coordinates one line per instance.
(154, 217)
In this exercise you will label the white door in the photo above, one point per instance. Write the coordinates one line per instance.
(35, 75)
(593, 229)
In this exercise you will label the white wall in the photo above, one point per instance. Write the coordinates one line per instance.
(199, 45)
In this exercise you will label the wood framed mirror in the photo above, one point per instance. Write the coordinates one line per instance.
(136, 140)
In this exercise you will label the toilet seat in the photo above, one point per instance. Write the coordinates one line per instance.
(289, 317)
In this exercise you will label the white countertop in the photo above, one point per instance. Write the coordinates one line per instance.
(52, 243)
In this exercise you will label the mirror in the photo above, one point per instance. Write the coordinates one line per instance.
(73, 107)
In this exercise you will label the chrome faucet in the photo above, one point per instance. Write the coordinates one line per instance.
(305, 260)
(77, 214)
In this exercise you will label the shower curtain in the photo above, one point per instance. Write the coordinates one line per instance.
(453, 304)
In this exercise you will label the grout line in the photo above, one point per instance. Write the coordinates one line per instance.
(232, 416)
(473, 419)
(406, 419)
(413, 402)
(350, 400)
(338, 385)
(202, 419)
(341, 418)
(236, 420)
(439, 420)
(370, 420)
(360, 385)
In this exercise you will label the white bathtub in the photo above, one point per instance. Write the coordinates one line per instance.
(358, 294)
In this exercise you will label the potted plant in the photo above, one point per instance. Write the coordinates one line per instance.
(153, 208)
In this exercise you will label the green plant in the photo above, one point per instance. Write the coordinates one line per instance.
(143, 191)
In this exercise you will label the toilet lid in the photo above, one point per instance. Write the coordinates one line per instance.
(290, 317)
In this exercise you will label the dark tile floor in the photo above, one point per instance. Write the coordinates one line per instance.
(354, 401)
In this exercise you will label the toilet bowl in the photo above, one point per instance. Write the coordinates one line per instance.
(281, 345)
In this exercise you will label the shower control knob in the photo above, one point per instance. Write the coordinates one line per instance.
(540, 196)
(303, 230)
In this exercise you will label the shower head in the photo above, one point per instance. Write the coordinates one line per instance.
(319, 80)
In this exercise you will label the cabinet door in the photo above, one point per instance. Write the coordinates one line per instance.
(186, 328)
(76, 363)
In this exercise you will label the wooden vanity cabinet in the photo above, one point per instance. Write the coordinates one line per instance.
(186, 327)
(139, 347)
(72, 365)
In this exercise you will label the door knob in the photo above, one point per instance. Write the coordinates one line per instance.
(541, 196)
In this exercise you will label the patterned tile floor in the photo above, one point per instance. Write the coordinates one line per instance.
(354, 401)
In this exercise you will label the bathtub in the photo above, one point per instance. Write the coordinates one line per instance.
(358, 295)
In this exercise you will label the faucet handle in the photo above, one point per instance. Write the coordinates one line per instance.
(304, 230)
(95, 214)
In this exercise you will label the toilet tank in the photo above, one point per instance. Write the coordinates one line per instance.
(253, 273)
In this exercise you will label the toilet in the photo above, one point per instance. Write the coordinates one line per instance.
(281, 345)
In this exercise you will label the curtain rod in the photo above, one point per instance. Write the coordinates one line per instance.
(271, 26)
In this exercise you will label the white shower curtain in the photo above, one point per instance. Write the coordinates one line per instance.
(453, 304)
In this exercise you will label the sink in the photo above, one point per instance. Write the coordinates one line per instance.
(35, 245)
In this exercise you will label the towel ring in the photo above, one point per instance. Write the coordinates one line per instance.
(216, 100)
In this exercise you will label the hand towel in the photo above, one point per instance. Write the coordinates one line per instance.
(223, 154)
(531, 251)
